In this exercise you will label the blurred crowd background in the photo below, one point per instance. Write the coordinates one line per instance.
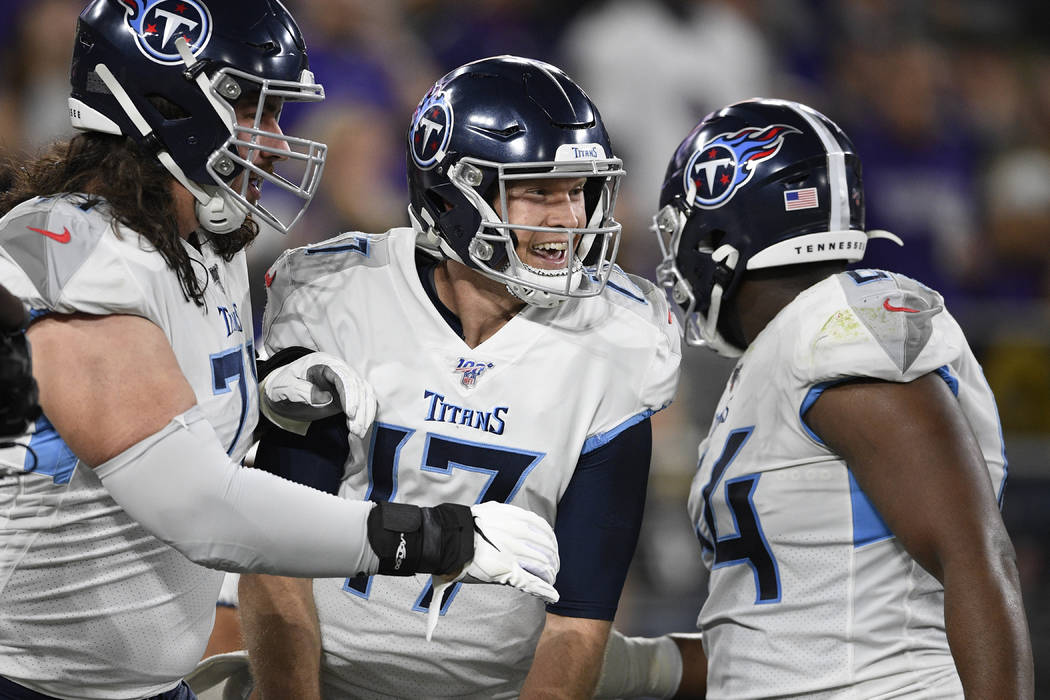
(947, 102)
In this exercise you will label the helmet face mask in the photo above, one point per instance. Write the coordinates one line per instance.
(758, 184)
(494, 123)
(200, 60)
(233, 165)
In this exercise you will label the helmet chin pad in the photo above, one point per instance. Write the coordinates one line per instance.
(221, 214)
(545, 288)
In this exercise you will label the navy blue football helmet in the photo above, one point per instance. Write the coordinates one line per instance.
(498, 120)
(758, 184)
(168, 73)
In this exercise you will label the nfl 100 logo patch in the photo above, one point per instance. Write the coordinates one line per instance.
(471, 371)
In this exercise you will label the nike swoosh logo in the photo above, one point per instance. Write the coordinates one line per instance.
(890, 307)
(63, 237)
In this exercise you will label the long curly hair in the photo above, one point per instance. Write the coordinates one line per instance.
(136, 187)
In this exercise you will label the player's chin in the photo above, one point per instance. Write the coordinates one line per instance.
(252, 193)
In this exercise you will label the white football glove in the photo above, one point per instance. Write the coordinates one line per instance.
(313, 387)
(512, 546)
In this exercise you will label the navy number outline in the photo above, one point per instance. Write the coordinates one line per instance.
(747, 544)
(227, 366)
(507, 470)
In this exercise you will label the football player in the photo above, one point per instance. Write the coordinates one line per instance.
(126, 243)
(513, 362)
(847, 497)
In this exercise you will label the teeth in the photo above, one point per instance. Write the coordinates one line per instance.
(552, 245)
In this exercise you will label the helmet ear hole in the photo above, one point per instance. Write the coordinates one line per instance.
(795, 180)
(710, 241)
(167, 108)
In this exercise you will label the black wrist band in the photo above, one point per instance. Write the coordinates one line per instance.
(409, 539)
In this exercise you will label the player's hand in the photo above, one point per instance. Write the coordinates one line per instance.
(313, 387)
(513, 547)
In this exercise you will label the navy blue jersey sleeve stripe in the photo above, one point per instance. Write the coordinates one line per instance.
(599, 518)
(316, 459)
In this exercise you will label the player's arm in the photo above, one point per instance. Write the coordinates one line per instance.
(914, 455)
(282, 635)
(113, 390)
(568, 658)
(668, 666)
(599, 518)
(278, 616)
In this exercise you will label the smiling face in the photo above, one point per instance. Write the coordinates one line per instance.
(556, 202)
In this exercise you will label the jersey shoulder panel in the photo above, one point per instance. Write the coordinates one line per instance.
(661, 377)
(70, 258)
(307, 276)
(870, 323)
(642, 298)
(632, 334)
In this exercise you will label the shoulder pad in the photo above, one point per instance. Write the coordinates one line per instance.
(317, 267)
(298, 265)
(50, 239)
(896, 310)
(644, 299)
(871, 323)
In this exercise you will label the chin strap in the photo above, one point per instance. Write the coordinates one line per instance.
(725, 255)
(535, 294)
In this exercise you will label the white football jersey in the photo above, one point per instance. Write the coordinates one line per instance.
(92, 605)
(810, 594)
(506, 421)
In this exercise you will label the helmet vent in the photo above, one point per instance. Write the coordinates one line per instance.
(269, 48)
(168, 109)
(501, 134)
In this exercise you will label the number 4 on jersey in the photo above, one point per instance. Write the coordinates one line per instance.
(748, 545)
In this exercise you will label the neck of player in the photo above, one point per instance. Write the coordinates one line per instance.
(482, 305)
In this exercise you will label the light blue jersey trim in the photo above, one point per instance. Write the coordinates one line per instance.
(811, 398)
(602, 439)
(868, 525)
(946, 374)
(49, 454)
(814, 393)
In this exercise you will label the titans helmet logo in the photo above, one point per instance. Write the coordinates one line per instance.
(431, 130)
(156, 24)
(719, 168)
